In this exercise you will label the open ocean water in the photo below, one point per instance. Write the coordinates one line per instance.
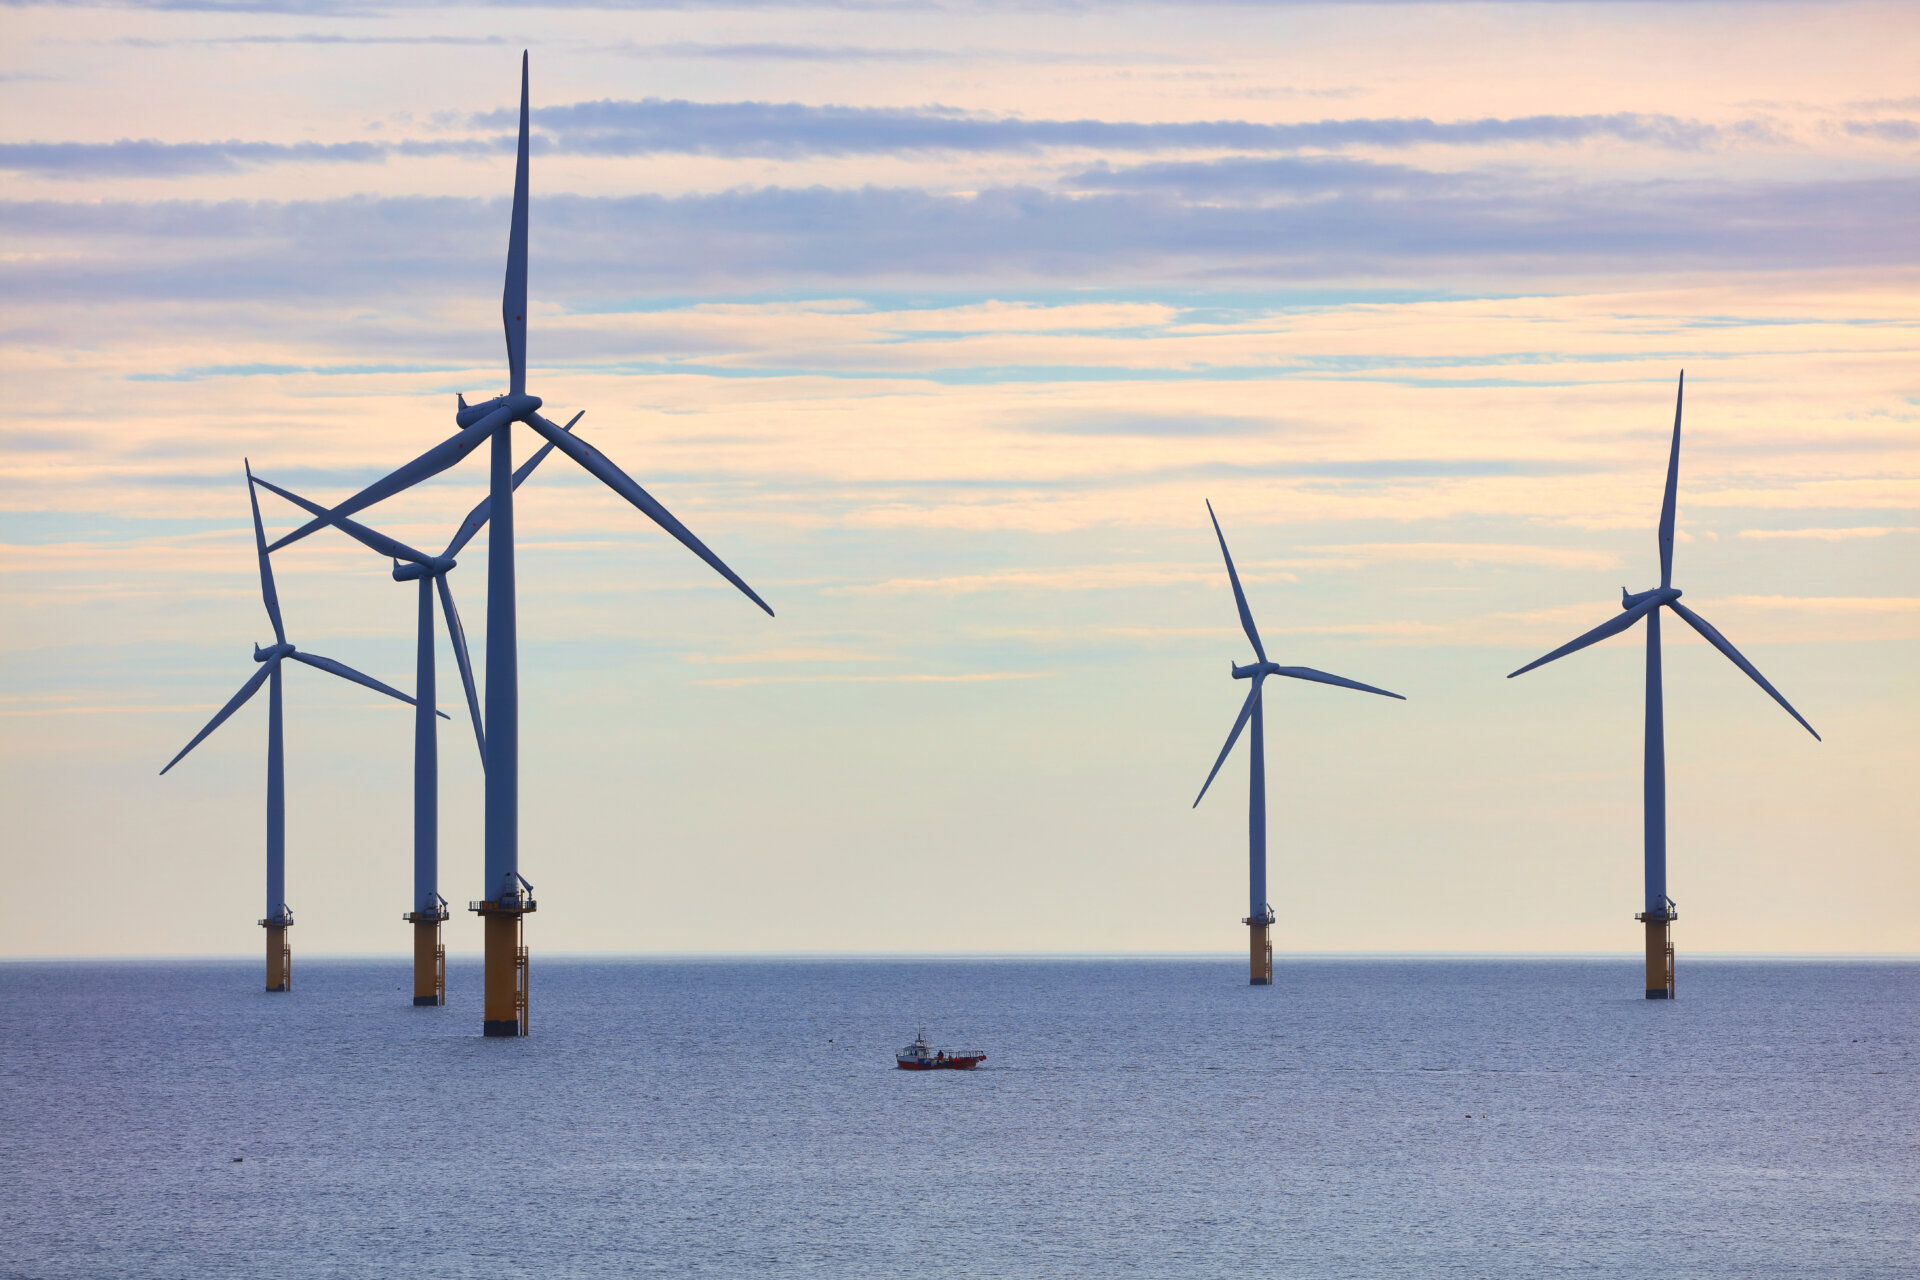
(1362, 1118)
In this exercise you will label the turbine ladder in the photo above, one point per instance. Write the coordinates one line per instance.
(521, 974)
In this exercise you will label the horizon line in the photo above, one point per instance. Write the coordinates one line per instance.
(760, 956)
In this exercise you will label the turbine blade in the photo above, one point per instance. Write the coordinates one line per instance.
(1612, 627)
(267, 593)
(238, 700)
(513, 301)
(1246, 712)
(458, 634)
(1321, 677)
(430, 463)
(1720, 642)
(1239, 596)
(391, 547)
(477, 518)
(617, 480)
(346, 672)
(1673, 490)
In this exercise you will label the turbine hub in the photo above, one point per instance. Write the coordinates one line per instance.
(434, 568)
(1665, 595)
(522, 406)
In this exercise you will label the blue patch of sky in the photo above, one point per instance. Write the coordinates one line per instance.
(1761, 322)
(199, 373)
(42, 528)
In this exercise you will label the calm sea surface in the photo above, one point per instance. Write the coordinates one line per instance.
(1134, 1118)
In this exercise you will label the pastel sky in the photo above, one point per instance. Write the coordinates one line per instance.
(939, 322)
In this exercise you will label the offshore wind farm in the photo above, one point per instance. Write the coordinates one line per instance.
(506, 895)
(429, 910)
(943, 331)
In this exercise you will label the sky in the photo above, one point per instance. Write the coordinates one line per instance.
(941, 323)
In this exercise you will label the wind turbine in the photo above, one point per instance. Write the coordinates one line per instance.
(1259, 910)
(508, 897)
(279, 917)
(429, 908)
(1660, 913)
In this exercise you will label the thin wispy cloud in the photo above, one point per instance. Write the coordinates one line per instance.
(733, 239)
(970, 677)
(1258, 178)
(775, 656)
(319, 38)
(1886, 104)
(151, 158)
(618, 129)
(1158, 426)
(778, 51)
(1096, 577)
(1828, 535)
(660, 126)
(801, 51)
(1884, 130)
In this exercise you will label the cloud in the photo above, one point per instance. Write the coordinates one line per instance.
(1163, 426)
(777, 51)
(1831, 535)
(1098, 577)
(1261, 177)
(305, 37)
(1832, 604)
(1884, 130)
(789, 129)
(629, 246)
(790, 655)
(60, 708)
(1470, 553)
(149, 158)
(970, 677)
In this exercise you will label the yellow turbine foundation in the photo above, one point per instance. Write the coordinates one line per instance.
(1659, 957)
(279, 959)
(506, 977)
(1259, 954)
(429, 962)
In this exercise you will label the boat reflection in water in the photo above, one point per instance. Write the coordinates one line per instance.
(918, 1057)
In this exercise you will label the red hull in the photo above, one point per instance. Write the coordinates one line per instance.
(949, 1064)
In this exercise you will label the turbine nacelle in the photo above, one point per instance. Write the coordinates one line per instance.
(272, 652)
(1253, 669)
(436, 567)
(521, 406)
(1659, 596)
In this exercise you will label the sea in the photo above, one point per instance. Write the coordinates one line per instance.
(1363, 1117)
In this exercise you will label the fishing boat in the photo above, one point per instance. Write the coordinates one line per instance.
(919, 1057)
